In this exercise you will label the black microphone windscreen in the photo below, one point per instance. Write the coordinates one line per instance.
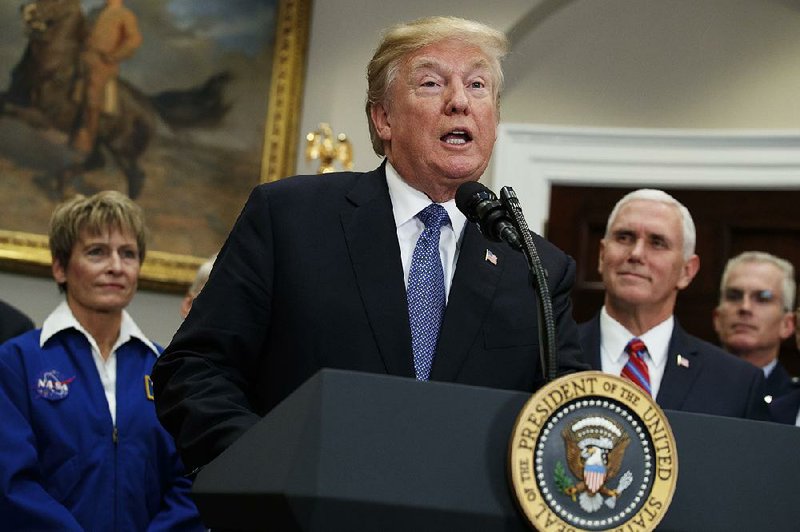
(468, 196)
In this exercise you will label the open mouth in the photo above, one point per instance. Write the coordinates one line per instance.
(456, 137)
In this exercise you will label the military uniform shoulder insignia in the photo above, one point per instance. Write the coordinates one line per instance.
(592, 451)
(52, 386)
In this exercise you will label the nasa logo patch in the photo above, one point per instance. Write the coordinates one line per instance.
(52, 386)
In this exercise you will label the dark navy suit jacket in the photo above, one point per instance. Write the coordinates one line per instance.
(784, 409)
(311, 277)
(714, 383)
(779, 382)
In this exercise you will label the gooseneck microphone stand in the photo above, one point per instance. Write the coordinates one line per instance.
(538, 279)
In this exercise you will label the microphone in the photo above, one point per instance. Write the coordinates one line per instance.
(481, 206)
(546, 320)
(503, 220)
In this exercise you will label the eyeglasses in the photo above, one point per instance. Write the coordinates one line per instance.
(761, 297)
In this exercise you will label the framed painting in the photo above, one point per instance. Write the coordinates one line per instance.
(219, 83)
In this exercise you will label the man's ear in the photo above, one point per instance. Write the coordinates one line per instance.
(787, 325)
(186, 305)
(59, 273)
(715, 319)
(600, 256)
(690, 269)
(380, 119)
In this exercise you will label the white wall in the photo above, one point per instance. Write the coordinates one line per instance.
(532, 158)
(628, 63)
(660, 63)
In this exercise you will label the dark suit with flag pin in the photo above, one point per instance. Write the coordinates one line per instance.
(698, 376)
(646, 257)
(341, 270)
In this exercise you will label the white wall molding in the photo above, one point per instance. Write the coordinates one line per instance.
(532, 158)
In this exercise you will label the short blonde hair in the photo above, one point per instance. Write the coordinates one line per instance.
(403, 39)
(98, 213)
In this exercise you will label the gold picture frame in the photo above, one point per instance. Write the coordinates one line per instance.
(28, 253)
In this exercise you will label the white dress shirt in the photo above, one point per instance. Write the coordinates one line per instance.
(769, 367)
(406, 203)
(62, 318)
(614, 337)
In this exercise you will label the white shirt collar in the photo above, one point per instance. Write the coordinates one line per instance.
(769, 367)
(615, 337)
(408, 201)
(62, 318)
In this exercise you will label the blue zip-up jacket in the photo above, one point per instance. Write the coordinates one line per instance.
(63, 465)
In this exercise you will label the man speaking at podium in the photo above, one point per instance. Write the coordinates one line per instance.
(375, 271)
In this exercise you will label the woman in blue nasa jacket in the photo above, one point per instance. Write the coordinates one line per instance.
(80, 446)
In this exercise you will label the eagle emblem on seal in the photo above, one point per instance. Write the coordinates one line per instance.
(595, 447)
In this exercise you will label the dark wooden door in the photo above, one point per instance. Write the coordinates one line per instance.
(728, 222)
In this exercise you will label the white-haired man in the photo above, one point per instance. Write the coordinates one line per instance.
(200, 280)
(754, 314)
(646, 257)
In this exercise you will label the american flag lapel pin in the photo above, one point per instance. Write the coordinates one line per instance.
(683, 362)
(491, 258)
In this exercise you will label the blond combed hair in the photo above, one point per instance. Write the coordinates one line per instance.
(403, 39)
(94, 214)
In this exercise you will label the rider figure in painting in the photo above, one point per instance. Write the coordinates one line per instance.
(113, 37)
(65, 50)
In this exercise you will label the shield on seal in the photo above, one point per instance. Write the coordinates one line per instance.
(594, 475)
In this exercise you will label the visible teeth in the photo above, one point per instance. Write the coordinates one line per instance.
(457, 136)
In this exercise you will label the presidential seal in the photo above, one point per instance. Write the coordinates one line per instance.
(592, 451)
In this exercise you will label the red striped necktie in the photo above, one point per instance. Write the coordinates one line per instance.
(636, 368)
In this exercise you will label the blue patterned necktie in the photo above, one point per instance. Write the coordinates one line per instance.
(425, 291)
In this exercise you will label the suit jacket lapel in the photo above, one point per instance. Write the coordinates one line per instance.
(370, 230)
(678, 379)
(471, 293)
(590, 343)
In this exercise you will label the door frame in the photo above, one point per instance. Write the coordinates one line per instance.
(532, 157)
